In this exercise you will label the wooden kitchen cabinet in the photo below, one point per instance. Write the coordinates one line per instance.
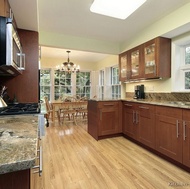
(149, 60)
(15, 180)
(131, 120)
(147, 124)
(157, 58)
(169, 132)
(124, 67)
(135, 63)
(104, 118)
(186, 137)
(139, 122)
(5, 9)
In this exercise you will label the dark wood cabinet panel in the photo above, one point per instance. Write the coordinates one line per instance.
(186, 137)
(147, 125)
(130, 120)
(104, 118)
(168, 139)
(15, 180)
(26, 86)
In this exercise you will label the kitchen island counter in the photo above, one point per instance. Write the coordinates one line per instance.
(18, 142)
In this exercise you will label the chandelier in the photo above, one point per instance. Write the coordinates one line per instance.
(68, 66)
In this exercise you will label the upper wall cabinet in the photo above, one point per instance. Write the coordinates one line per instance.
(124, 67)
(135, 63)
(157, 58)
(148, 61)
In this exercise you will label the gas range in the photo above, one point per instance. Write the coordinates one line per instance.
(20, 108)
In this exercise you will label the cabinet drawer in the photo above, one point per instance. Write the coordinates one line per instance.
(170, 112)
(108, 104)
(146, 107)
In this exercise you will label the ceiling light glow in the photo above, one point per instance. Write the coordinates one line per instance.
(116, 8)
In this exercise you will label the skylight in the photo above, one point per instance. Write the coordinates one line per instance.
(116, 8)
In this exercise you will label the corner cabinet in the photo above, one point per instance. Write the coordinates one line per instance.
(104, 118)
(149, 60)
(139, 122)
(157, 58)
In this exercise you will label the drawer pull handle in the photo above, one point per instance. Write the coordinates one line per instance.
(128, 105)
(143, 107)
(184, 130)
(108, 104)
(177, 128)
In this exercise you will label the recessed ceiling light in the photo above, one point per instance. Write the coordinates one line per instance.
(116, 8)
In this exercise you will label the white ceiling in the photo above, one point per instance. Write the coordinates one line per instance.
(73, 18)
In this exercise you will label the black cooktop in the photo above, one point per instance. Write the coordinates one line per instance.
(20, 108)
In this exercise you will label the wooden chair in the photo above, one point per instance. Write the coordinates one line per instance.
(82, 109)
(67, 112)
(49, 110)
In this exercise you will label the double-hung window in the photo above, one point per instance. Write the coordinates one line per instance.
(115, 83)
(62, 84)
(83, 84)
(45, 83)
(101, 84)
(181, 64)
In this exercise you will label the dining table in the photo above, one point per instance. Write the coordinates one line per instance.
(55, 107)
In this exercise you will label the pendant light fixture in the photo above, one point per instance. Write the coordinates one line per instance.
(68, 67)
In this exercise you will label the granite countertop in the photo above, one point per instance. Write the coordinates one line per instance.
(18, 142)
(177, 104)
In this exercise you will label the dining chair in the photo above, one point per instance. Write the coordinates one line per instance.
(48, 109)
(82, 109)
(67, 112)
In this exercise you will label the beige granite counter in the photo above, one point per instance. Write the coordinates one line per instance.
(18, 142)
(177, 104)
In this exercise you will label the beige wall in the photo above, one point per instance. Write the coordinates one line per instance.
(53, 62)
(171, 25)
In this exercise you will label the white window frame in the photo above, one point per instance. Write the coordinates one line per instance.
(115, 85)
(178, 63)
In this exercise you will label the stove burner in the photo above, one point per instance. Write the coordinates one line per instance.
(21, 108)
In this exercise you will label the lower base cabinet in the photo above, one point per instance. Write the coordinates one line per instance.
(104, 118)
(162, 128)
(15, 180)
(169, 132)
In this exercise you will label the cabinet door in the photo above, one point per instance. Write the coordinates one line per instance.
(136, 66)
(169, 136)
(157, 58)
(109, 118)
(147, 125)
(124, 69)
(130, 120)
(150, 59)
(186, 137)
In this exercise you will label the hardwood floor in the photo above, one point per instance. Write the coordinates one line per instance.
(72, 159)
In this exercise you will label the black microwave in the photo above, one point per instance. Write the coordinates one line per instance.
(12, 59)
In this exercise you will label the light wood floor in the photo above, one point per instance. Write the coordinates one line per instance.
(72, 159)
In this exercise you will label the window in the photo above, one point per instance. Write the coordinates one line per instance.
(101, 84)
(55, 84)
(181, 63)
(62, 84)
(45, 83)
(187, 62)
(115, 84)
(83, 84)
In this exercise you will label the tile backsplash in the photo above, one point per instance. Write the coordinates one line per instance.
(163, 96)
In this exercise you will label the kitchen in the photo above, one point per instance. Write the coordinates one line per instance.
(18, 85)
